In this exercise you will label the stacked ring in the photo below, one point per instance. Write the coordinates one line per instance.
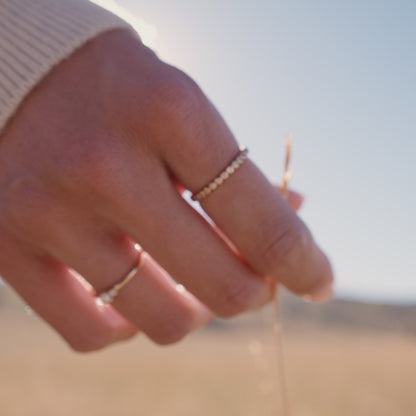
(108, 296)
(222, 177)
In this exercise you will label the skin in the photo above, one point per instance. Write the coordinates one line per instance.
(95, 160)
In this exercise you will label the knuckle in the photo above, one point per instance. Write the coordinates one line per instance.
(240, 297)
(174, 92)
(90, 163)
(285, 250)
(172, 103)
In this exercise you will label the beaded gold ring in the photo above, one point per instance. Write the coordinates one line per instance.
(222, 177)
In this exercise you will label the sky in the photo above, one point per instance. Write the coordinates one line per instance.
(341, 77)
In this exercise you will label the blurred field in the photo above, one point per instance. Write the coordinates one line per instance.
(330, 373)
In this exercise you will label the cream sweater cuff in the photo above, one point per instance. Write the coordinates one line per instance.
(35, 35)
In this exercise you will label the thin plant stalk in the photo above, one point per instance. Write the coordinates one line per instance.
(277, 327)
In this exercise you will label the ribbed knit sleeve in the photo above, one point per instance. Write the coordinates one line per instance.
(35, 35)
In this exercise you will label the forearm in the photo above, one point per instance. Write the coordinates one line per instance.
(35, 35)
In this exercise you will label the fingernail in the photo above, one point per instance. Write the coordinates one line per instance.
(301, 201)
(321, 295)
(204, 316)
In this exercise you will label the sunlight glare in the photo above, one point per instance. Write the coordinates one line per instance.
(148, 32)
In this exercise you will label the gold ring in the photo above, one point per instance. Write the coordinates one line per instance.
(222, 177)
(108, 296)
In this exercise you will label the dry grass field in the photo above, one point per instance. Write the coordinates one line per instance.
(330, 373)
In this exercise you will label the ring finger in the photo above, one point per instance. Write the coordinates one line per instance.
(152, 301)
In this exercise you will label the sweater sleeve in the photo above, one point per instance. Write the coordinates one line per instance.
(35, 35)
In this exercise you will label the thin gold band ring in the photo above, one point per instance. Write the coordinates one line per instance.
(108, 296)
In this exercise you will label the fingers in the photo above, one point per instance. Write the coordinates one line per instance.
(160, 307)
(182, 242)
(246, 207)
(102, 172)
(62, 299)
(151, 301)
(268, 233)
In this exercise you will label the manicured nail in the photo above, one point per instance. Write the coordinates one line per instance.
(321, 295)
(204, 316)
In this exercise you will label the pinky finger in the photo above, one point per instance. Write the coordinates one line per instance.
(295, 199)
(65, 301)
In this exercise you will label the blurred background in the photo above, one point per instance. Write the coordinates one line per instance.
(340, 76)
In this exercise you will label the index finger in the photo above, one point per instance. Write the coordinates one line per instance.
(248, 209)
(268, 233)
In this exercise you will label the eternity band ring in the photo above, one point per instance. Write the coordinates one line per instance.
(222, 177)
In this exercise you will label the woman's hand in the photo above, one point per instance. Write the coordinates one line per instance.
(92, 164)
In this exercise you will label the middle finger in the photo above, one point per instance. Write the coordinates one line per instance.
(185, 245)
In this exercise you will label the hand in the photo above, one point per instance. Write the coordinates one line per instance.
(92, 164)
